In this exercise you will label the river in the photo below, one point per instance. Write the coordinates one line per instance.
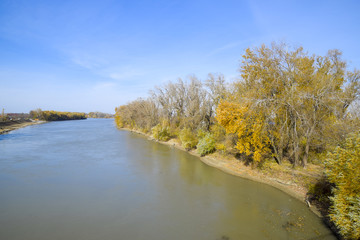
(87, 180)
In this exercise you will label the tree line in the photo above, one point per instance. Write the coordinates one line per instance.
(99, 115)
(56, 115)
(286, 105)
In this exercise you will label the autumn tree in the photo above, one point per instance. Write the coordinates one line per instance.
(343, 169)
(140, 114)
(216, 90)
(288, 100)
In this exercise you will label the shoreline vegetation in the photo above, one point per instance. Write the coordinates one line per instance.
(99, 115)
(13, 121)
(56, 115)
(290, 120)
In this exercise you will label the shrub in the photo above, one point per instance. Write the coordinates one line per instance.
(161, 133)
(218, 132)
(188, 139)
(220, 147)
(201, 133)
(321, 191)
(206, 145)
(343, 169)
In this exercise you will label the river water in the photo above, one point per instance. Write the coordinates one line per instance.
(87, 180)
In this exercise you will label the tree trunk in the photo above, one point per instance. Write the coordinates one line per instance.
(306, 154)
(296, 154)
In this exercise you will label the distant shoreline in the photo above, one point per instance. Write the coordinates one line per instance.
(8, 126)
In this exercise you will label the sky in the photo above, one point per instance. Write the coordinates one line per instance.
(83, 56)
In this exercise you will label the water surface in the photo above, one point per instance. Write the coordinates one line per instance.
(86, 180)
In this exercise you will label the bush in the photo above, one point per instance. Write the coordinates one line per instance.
(218, 132)
(220, 147)
(343, 169)
(188, 139)
(321, 191)
(161, 133)
(206, 145)
(201, 133)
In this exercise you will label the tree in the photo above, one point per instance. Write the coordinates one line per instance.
(215, 92)
(238, 118)
(289, 100)
(343, 169)
(36, 114)
(3, 115)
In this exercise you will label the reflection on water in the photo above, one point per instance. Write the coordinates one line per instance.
(87, 180)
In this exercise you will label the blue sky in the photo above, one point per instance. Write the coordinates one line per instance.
(96, 55)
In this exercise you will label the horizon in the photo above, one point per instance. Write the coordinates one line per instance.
(87, 56)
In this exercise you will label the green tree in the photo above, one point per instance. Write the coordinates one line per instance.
(206, 145)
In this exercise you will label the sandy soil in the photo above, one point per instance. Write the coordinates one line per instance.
(6, 127)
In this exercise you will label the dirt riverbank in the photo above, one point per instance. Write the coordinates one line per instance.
(292, 181)
(8, 126)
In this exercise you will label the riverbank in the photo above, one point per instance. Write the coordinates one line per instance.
(8, 126)
(294, 182)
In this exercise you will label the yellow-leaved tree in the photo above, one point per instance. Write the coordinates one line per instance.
(287, 102)
(248, 125)
(343, 169)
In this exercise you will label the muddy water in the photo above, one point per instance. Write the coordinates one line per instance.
(86, 180)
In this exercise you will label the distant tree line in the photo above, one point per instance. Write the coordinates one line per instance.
(55, 115)
(99, 115)
(287, 105)
(4, 117)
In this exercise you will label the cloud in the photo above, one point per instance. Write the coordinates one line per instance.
(227, 47)
(111, 66)
(88, 61)
(124, 73)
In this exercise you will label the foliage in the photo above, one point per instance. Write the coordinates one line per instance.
(287, 102)
(206, 145)
(138, 114)
(3, 116)
(252, 139)
(55, 115)
(321, 191)
(99, 115)
(201, 133)
(218, 132)
(220, 147)
(118, 121)
(161, 132)
(36, 114)
(188, 139)
(286, 105)
(343, 169)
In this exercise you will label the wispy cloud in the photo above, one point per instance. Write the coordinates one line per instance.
(106, 67)
(228, 47)
(125, 73)
(87, 60)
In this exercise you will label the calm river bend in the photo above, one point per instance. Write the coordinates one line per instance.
(87, 180)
